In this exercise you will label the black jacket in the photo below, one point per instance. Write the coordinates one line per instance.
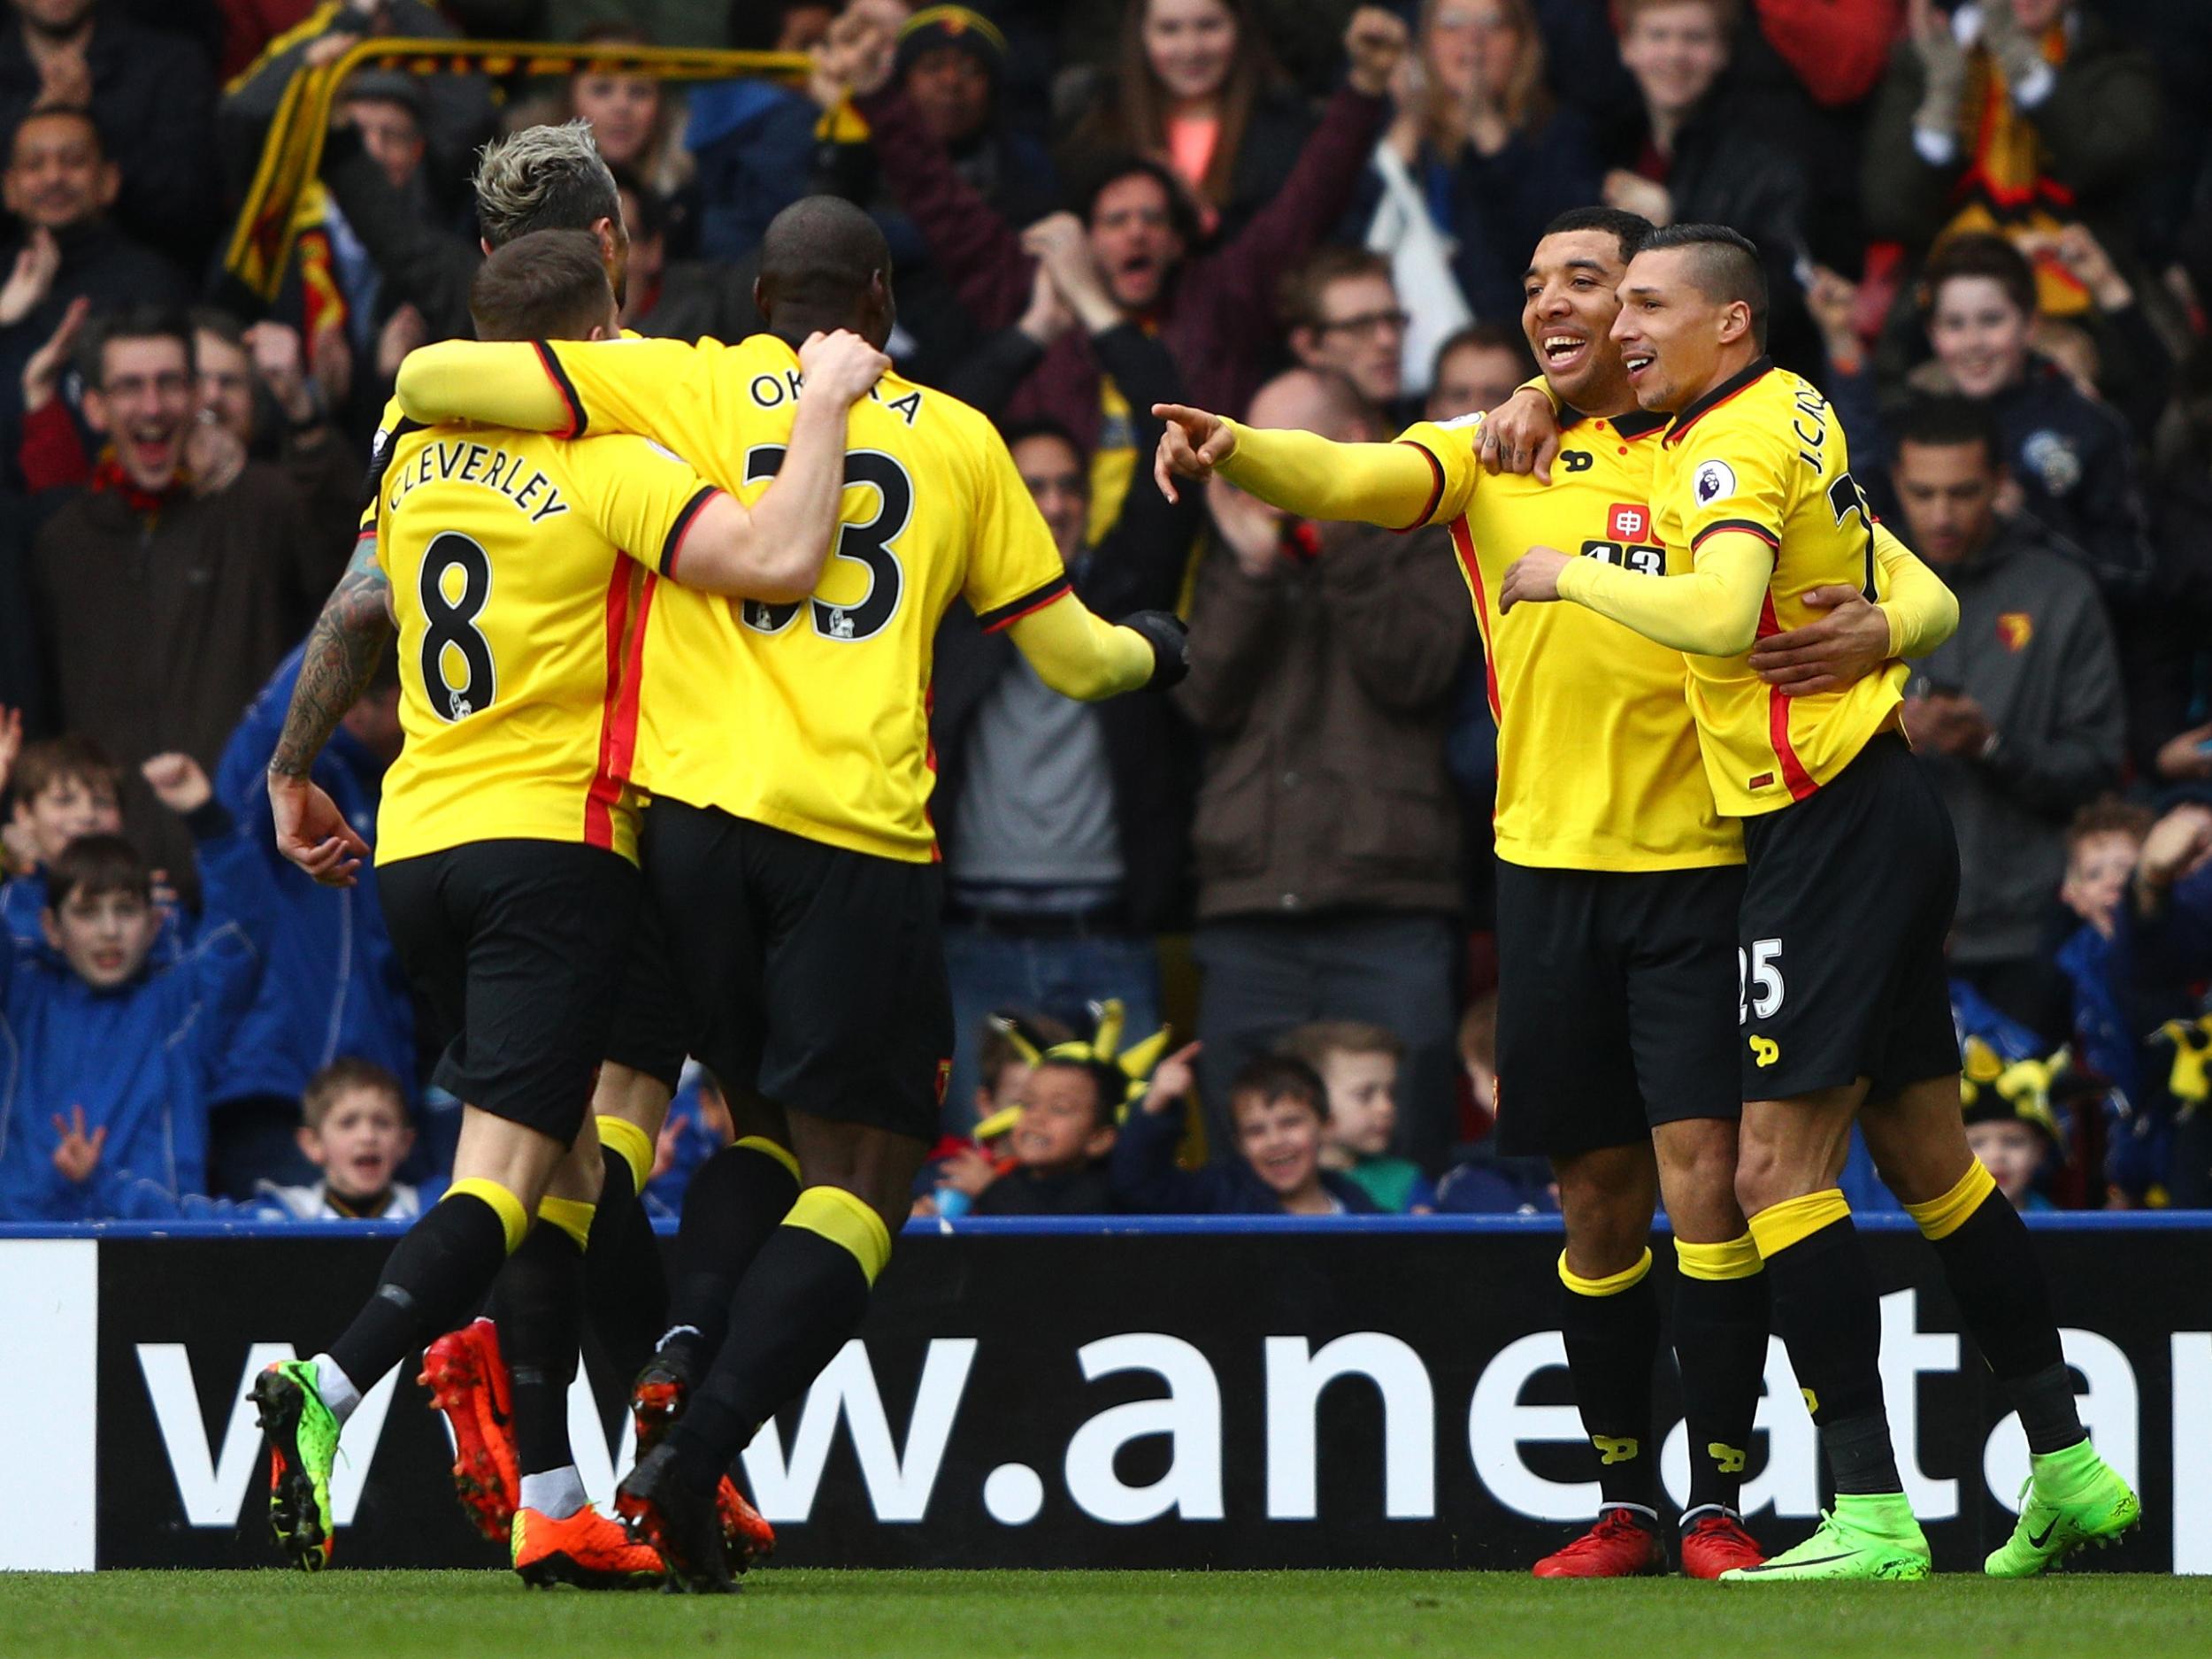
(1088, 1191)
(2034, 649)
(1150, 751)
(153, 97)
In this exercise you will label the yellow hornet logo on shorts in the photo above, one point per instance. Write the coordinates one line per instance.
(1765, 1050)
(1612, 1451)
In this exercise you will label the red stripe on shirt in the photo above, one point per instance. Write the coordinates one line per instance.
(1794, 773)
(1436, 486)
(1005, 618)
(929, 759)
(615, 744)
(1463, 541)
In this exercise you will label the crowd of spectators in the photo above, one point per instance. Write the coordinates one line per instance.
(1988, 228)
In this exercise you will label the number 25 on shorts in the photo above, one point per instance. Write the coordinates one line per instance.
(1761, 967)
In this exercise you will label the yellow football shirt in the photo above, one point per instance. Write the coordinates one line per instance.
(1598, 766)
(1763, 453)
(814, 718)
(518, 565)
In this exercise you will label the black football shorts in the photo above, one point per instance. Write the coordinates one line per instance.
(1615, 1004)
(521, 949)
(818, 973)
(1847, 901)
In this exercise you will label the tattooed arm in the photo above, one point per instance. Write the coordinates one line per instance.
(335, 667)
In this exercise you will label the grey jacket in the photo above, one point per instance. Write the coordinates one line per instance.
(1323, 693)
(2034, 649)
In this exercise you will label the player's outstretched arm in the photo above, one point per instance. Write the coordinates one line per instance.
(1392, 485)
(335, 667)
(1080, 655)
(1713, 611)
(502, 383)
(775, 549)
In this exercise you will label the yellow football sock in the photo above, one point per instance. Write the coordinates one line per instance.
(1940, 1218)
(1612, 1284)
(1780, 1225)
(571, 1216)
(841, 1218)
(514, 1219)
(1734, 1259)
(632, 1145)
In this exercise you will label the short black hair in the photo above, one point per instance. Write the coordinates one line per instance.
(1630, 230)
(1947, 420)
(1045, 427)
(548, 285)
(1109, 1083)
(133, 322)
(1182, 211)
(1725, 267)
(95, 864)
(1274, 1077)
(819, 254)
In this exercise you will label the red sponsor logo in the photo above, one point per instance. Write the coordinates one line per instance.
(1764, 781)
(1630, 524)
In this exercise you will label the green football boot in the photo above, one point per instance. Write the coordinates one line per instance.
(2072, 1498)
(1866, 1537)
(303, 1445)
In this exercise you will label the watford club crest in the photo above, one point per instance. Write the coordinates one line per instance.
(2015, 628)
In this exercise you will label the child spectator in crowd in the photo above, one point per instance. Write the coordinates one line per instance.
(1045, 1153)
(354, 1128)
(1357, 1064)
(125, 1048)
(64, 788)
(1054, 1162)
(2015, 1144)
(1278, 1110)
(1010, 1042)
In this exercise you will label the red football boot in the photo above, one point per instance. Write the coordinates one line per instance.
(467, 1381)
(1623, 1544)
(1717, 1542)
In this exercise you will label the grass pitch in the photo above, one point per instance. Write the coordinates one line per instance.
(796, 1614)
